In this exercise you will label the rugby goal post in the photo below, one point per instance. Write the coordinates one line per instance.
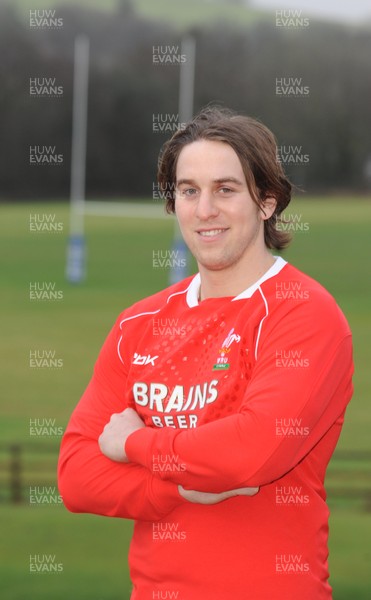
(76, 251)
(180, 270)
(79, 206)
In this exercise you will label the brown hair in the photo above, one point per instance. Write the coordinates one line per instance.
(255, 146)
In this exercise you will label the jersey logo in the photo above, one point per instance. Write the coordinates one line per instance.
(231, 337)
(222, 360)
(144, 360)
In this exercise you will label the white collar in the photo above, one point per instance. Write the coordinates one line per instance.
(194, 286)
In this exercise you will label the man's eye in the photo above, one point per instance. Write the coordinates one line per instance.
(188, 192)
(225, 190)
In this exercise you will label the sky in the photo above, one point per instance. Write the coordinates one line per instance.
(340, 10)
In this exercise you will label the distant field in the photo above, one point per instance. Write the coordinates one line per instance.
(335, 249)
(181, 14)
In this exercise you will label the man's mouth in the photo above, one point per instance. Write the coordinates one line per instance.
(210, 232)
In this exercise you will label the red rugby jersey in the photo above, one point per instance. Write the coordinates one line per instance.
(236, 391)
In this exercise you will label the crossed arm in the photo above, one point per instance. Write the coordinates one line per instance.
(112, 443)
(250, 448)
(222, 457)
(88, 480)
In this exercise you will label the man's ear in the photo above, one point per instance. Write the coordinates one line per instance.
(268, 206)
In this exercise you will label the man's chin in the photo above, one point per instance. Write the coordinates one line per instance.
(214, 265)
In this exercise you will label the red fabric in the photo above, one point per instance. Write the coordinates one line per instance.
(234, 392)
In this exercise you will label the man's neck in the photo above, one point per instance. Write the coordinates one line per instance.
(234, 280)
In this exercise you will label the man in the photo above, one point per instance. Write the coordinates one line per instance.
(216, 436)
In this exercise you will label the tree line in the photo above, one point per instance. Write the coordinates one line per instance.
(311, 86)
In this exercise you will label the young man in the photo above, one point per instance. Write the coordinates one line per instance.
(216, 435)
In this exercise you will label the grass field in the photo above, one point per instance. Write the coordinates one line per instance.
(180, 14)
(335, 249)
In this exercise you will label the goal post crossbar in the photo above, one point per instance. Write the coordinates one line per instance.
(139, 210)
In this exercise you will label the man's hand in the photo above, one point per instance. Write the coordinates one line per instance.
(210, 498)
(113, 437)
(112, 444)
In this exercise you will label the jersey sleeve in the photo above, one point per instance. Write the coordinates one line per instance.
(285, 411)
(88, 481)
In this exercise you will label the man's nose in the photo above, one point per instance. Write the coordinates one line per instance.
(206, 205)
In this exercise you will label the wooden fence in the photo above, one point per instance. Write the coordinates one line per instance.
(28, 471)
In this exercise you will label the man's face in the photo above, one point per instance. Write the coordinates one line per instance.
(219, 221)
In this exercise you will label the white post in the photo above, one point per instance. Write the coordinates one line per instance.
(187, 79)
(75, 269)
(185, 114)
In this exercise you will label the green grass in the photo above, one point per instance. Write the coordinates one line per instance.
(93, 553)
(350, 555)
(335, 250)
(179, 13)
(91, 550)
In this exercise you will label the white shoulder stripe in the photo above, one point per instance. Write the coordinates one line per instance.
(154, 312)
(138, 315)
(261, 322)
(118, 349)
(129, 319)
(178, 293)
